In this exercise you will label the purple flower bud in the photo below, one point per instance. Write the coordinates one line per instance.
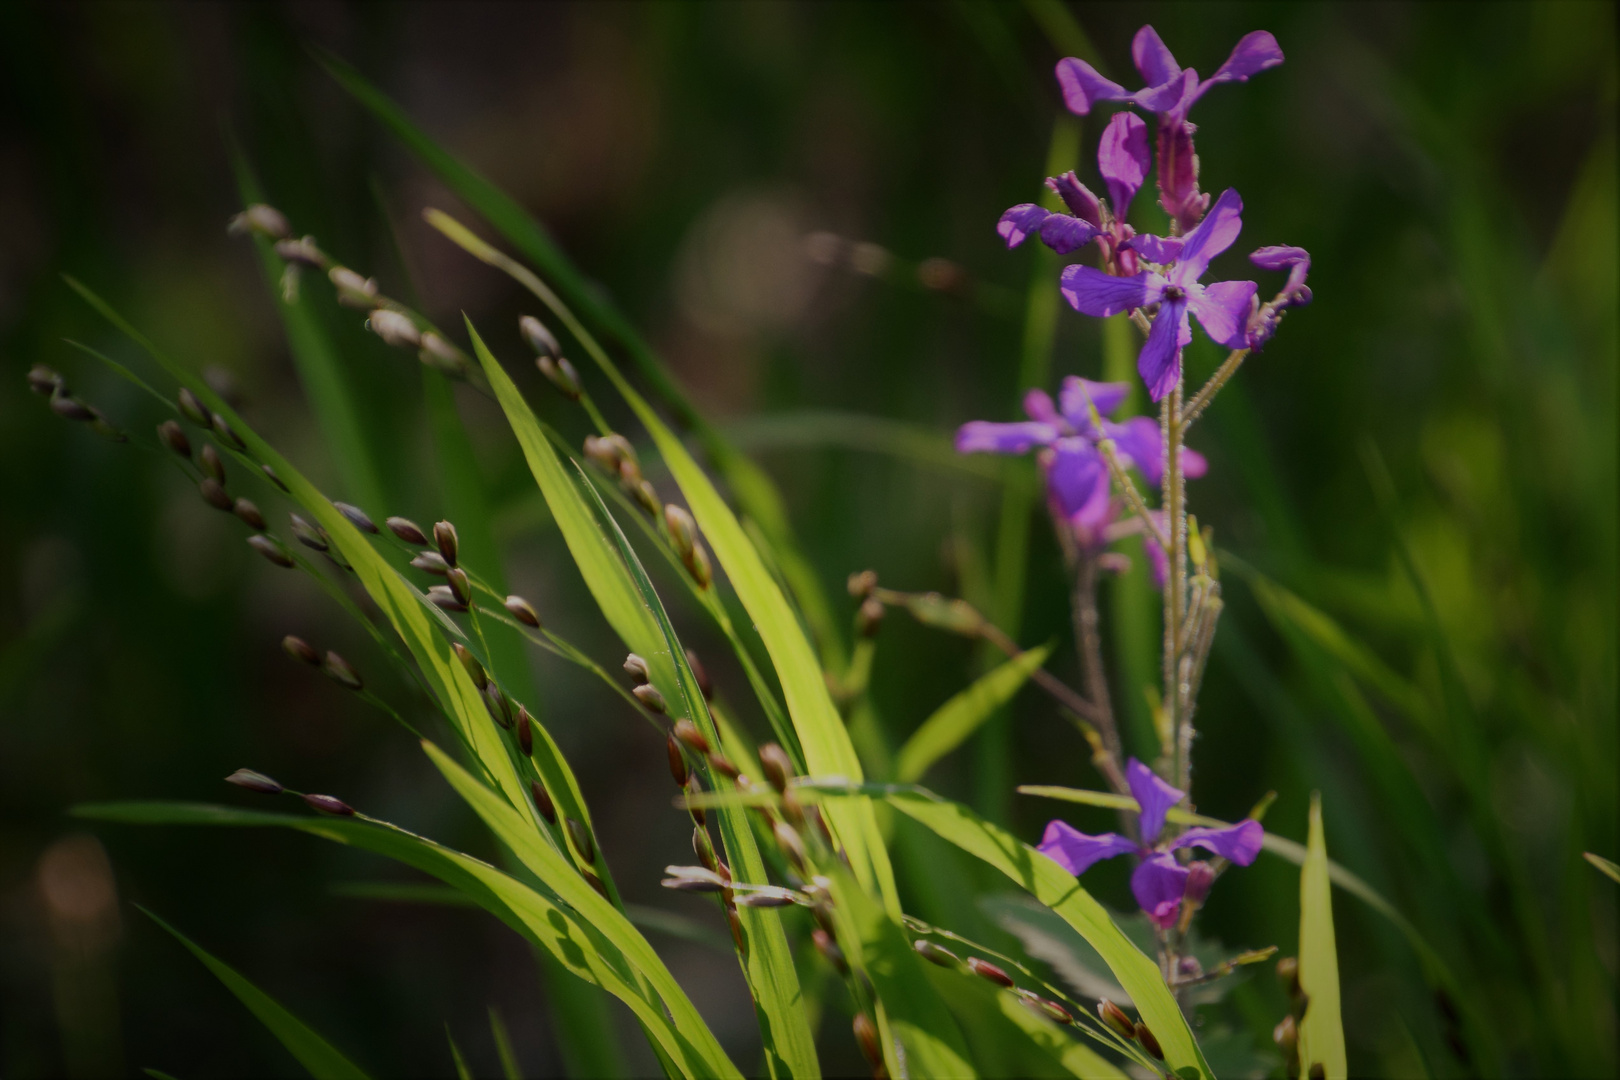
(1199, 879)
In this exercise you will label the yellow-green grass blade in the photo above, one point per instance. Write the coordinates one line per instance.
(1604, 866)
(503, 1046)
(573, 890)
(406, 610)
(909, 1009)
(590, 938)
(1057, 889)
(323, 1060)
(1321, 1033)
(460, 1063)
(952, 723)
(1007, 1039)
(822, 736)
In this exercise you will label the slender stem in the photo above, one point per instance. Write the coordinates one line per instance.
(1172, 586)
(1117, 469)
(1089, 642)
(1207, 392)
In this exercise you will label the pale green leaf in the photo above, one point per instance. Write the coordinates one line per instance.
(961, 716)
(1321, 1034)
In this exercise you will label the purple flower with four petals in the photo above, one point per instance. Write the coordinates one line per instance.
(1264, 318)
(1159, 882)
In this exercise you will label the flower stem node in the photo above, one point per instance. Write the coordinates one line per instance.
(688, 733)
(172, 435)
(774, 763)
(521, 610)
(984, 969)
(444, 535)
(475, 670)
(352, 289)
(261, 220)
(1115, 1017)
(308, 534)
(357, 517)
(650, 698)
(341, 671)
(192, 408)
(214, 494)
(249, 513)
(395, 328)
(254, 781)
(272, 549)
(1149, 1042)
(636, 668)
(407, 530)
(580, 837)
(935, 954)
(328, 804)
(677, 762)
(431, 562)
(225, 433)
(542, 801)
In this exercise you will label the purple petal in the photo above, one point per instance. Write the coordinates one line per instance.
(1141, 440)
(1156, 249)
(1038, 406)
(1122, 158)
(1173, 98)
(1193, 464)
(1223, 309)
(1075, 851)
(1153, 795)
(982, 436)
(1077, 197)
(1279, 257)
(1092, 292)
(1082, 86)
(1152, 58)
(1158, 885)
(1077, 483)
(1160, 360)
(1017, 223)
(1240, 843)
(1063, 233)
(1214, 234)
(1257, 52)
(1079, 395)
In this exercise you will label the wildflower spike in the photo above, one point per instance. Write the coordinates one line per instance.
(328, 804)
(521, 610)
(272, 549)
(172, 435)
(407, 530)
(542, 801)
(254, 781)
(341, 671)
(444, 535)
(357, 517)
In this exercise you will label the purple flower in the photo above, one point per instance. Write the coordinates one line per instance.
(1171, 92)
(1222, 308)
(1159, 882)
(1264, 318)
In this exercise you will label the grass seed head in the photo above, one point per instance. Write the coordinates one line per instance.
(525, 731)
(768, 897)
(45, 381)
(542, 801)
(441, 597)
(774, 763)
(208, 458)
(866, 1036)
(270, 474)
(214, 494)
(248, 511)
(260, 220)
(72, 409)
(357, 517)
(650, 698)
(272, 549)
(521, 610)
(935, 954)
(500, 706)
(695, 787)
(984, 969)
(688, 733)
(172, 435)
(540, 339)
(328, 804)
(225, 433)
(341, 671)
(254, 781)
(444, 535)
(787, 838)
(677, 762)
(561, 374)
(580, 837)
(724, 766)
(645, 494)
(636, 668)
(460, 587)
(1115, 1017)
(308, 534)
(407, 530)
(1148, 1041)
(699, 879)
(475, 670)
(301, 252)
(704, 848)
(395, 328)
(192, 408)
(352, 289)
(431, 562)
(682, 529)
(300, 650)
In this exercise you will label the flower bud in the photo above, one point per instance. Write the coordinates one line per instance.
(561, 374)
(270, 474)
(677, 761)
(308, 534)
(984, 969)
(300, 650)
(249, 513)
(460, 587)
(407, 530)
(723, 765)
(1188, 967)
(440, 597)
(431, 562)
(935, 954)
(581, 838)
(301, 252)
(357, 517)
(72, 409)
(649, 697)
(444, 535)
(774, 763)
(1200, 876)
(1148, 1041)
(769, 896)
(525, 731)
(636, 668)
(705, 687)
(352, 289)
(192, 408)
(439, 354)
(499, 705)
(682, 529)
(172, 435)
(272, 549)
(210, 462)
(327, 804)
(261, 220)
(214, 494)
(475, 670)
(869, 617)
(1115, 1017)
(1286, 1036)
(542, 801)
(395, 328)
(247, 778)
(521, 610)
(340, 670)
(787, 838)
(866, 1035)
(688, 733)
(225, 433)
(45, 381)
(541, 340)
(1045, 1007)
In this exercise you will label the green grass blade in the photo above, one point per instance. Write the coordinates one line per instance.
(157, 1074)
(1604, 866)
(503, 1046)
(460, 1063)
(1057, 889)
(1007, 1039)
(314, 1053)
(569, 931)
(1321, 1035)
(961, 716)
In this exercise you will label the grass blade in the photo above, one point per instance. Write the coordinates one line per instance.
(1009, 1039)
(503, 1046)
(1604, 866)
(1321, 1035)
(460, 1063)
(314, 1053)
(962, 715)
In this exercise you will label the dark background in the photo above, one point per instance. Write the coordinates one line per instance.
(1451, 168)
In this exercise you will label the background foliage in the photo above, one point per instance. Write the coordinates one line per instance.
(1422, 466)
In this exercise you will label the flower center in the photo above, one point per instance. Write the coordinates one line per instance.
(1174, 292)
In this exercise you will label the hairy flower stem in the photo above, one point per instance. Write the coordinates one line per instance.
(1207, 392)
(1117, 469)
(1094, 679)
(1175, 503)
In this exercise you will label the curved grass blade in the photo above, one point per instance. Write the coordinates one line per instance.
(314, 1053)
(585, 938)
(1008, 1037)
(961, 716)
(503, 1046)
(1321, 1034)
(460, 1063)
(1604, 866)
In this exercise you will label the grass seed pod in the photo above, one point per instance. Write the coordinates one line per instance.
(460, 587)
(540, 339)
(225, 433)
(1115, 1017)
(698, 564)
(475, 670)
(774, 763)
(521, 610)
(1046, 1007)
(787, 838)
(357, 517)
(440, 597)
(695, 787)
(866, 1036)
(214, 494)
(705, 687)
(500, 706)
(561, 374)
(254, 781)
(208, 459)
(300, 650)
(341, 671)
(542, 801)
(264, 220)
(1148, 1041)
(328, 804)
(682, 529)
(650, 698)
(352, 289)
(407, 530)
(395, 328)
(272, 549)
(192, 408)
(431, 562)
(444, 535)
(525, 731)
(703, 847)
(580, 836)
(688, 733)
(308, 534)
(677, 762)
(984, 969)
(72, 409)
(270, 474)
(935, 954)
(248, 511)
(636, 668)
(645, 494)
(172, 435)
(724, 766)
(768, 897)
(439, 354)
(45, 381)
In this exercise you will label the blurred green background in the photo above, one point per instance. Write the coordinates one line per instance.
(1422, 466)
